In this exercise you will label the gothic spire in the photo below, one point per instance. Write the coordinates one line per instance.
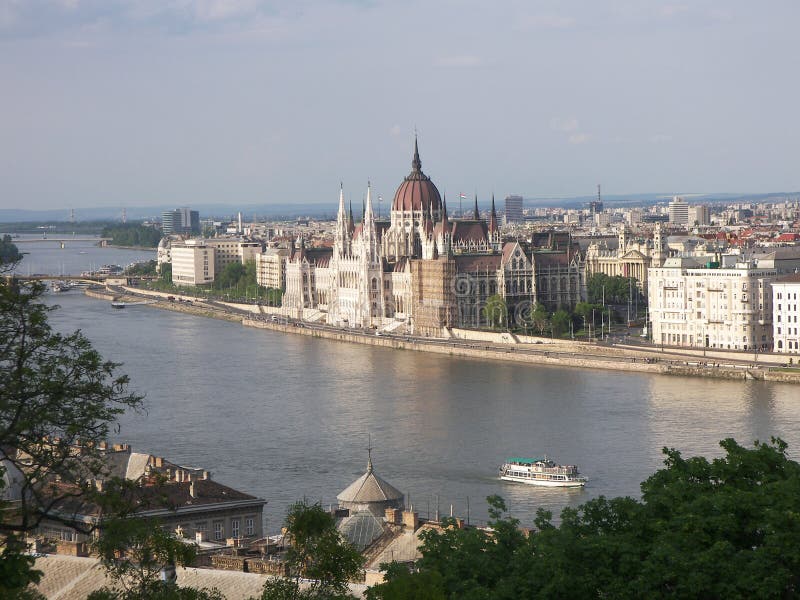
(493, 218)
(416, 163)
(477, 212)
(369, 455)
(444, 212)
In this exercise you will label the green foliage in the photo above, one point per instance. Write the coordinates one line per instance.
(132, 234)
(612, 290)
(165, 272)
(540, 318)
(9, 254)
(134, 551)
(560, 322)
(317, 552)
(726, 528)
(495, 311)
(55, 392)
(143, 268)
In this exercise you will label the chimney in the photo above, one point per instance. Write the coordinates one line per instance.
(410, 520)
(192, 491)
(159, 461)
(206, 475)
(393, 516)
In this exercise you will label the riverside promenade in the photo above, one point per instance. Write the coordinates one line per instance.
(484, 345)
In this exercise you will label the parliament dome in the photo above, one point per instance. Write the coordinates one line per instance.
(417, 192)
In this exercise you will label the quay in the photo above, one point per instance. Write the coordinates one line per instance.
(467, 344)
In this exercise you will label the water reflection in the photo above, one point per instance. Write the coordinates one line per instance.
(286, 416)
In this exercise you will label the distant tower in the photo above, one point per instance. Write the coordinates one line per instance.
(124, 216)
(596, 207)
(240, 223)
(72, 215)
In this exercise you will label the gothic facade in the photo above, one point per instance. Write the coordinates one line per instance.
(421, 271)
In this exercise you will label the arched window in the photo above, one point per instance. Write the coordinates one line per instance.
(374, 284)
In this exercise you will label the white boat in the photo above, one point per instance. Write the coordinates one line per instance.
(541, 471)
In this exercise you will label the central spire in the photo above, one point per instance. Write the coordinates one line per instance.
(416, 163)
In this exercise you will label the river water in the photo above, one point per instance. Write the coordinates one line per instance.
(286, 417)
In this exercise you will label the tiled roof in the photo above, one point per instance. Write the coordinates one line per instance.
(472, 263)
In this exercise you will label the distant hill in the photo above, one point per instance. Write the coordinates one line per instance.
(291, 211)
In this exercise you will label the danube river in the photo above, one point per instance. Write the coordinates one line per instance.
(286, 417)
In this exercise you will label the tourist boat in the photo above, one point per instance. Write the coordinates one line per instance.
(541, 471)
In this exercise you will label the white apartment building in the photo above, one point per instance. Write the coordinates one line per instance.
(233, 250)
(704, 306)
(785, 322)
(192, 263)
(678, 211)
(271, 268)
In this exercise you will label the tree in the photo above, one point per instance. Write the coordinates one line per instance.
(9, 254)
(540, 318)
(495, 311)
(165, 272)
(560, 322)
(142, 268)
(134, 553)
(132, 234)
(57, 394)
(725, 528)
(317, 552)
(459, 563)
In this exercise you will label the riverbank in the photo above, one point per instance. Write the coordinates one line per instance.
(557, 353)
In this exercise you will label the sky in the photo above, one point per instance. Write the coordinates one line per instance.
(154, 102)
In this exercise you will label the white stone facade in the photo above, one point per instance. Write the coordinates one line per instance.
(785, 314)
(192, 263)
(726, 308)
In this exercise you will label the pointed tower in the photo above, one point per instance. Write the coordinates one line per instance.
(342, 236)
(477, 213)
(352, 221)
(623, 241)
(494, 229)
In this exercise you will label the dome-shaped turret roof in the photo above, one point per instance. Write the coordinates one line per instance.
(417, 192)
(369, 489)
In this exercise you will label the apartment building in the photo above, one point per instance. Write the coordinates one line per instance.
(271, 268)
(785, 313)
(711, 306)
(193, 262)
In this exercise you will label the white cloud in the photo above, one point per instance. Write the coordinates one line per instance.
(579, 138)
(565, 124)
(459, 61)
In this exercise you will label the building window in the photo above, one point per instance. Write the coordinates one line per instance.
(235, 528)
(219, 530)
(250, 526)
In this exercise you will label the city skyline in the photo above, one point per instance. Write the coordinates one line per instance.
(150, 104)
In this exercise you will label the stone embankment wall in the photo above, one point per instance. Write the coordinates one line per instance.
(542, 351)
(543, 357)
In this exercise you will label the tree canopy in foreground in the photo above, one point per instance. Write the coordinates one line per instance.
(724, 528)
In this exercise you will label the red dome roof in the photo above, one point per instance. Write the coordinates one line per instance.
(417, 192)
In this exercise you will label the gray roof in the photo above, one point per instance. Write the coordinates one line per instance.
(361, 529)
(369, 488)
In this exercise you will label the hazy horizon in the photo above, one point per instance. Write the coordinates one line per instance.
(152, 103)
